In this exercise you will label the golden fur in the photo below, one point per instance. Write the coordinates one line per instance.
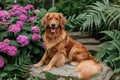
(61, 48)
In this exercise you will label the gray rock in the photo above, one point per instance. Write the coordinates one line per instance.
(68, 71)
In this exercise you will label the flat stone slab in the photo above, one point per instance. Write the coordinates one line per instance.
(92, 47)
(88, 41)
(80, 34)
(68, 71)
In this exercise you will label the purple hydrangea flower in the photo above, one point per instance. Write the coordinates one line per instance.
(35, 29)
(36, 11)
(31, 19)
(23, 40)
(1, 63)
(28, 7)
(17, 13)
(15, 6)
(12, 51)
(4, 14)
(3, 47)
(43, 45)
(36, 37)
(6, 41)
(23, 18)
(20, 24)
(4, 22)
(14, 28)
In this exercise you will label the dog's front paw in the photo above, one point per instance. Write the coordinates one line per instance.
(36, 65)
(47, 68)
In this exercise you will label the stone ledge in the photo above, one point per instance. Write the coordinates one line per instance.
(92, 47)
(78, 35)
(68, 71)
(88, 41)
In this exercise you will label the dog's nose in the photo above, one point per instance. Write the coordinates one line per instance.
(53, 25)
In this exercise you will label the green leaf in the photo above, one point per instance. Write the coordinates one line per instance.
(42, 13)
(50, 76)
(13, 42)
(117, 70)
(3, 74)
(52, 9)
(30, 46)
(36, 50)
(9, 68)
(3, 34)
(39, 43)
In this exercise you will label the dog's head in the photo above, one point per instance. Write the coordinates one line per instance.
(53, 21)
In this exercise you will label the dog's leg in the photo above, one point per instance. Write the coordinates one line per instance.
(55, 60)
(74, 63)
(41, 62)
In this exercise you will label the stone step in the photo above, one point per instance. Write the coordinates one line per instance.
(67, 72)
(92, 47)
(78, 35)
(89, 41)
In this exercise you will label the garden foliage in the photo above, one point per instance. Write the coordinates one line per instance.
(20, 40)
(97, 17)
(110, 50)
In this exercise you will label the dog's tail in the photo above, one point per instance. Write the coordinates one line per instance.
(88, 68)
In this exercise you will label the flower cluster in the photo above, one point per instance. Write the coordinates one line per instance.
(23, 40)
(35, 29)
(6, 48)
(4, 15)
(36, 36)
(1, 62)
(21, 28)
(23, 18)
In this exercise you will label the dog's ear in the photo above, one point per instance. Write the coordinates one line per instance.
(44, 20)
(62, 20)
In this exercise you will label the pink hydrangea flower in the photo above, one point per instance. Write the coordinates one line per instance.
(31, 19)
(23, 40)
(43, 45)
(36, 37)
(20, 24)
(4, 14)
(1, 63)
(12, 51)
(15, 6)
(6, 41)
(23, 18)
(14, 28)
(36, 11)
(3, 47)
(17, 13)
(28, 7)
(35, 29)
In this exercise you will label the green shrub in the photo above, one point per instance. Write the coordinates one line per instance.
(109, 52)
(99, 16)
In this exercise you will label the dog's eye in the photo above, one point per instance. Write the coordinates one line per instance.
(50, 18)
(57, 19)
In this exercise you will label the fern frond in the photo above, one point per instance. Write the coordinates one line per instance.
(110, 50)
(117, 70)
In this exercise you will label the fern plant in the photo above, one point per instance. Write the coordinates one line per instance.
(98, 17)
(110, 50)
(19, 69)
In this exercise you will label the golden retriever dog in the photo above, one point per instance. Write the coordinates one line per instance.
(61, 48)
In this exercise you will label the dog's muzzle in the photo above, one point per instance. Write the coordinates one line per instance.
(53, 28)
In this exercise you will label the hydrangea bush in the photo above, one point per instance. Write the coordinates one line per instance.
(20, 34)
